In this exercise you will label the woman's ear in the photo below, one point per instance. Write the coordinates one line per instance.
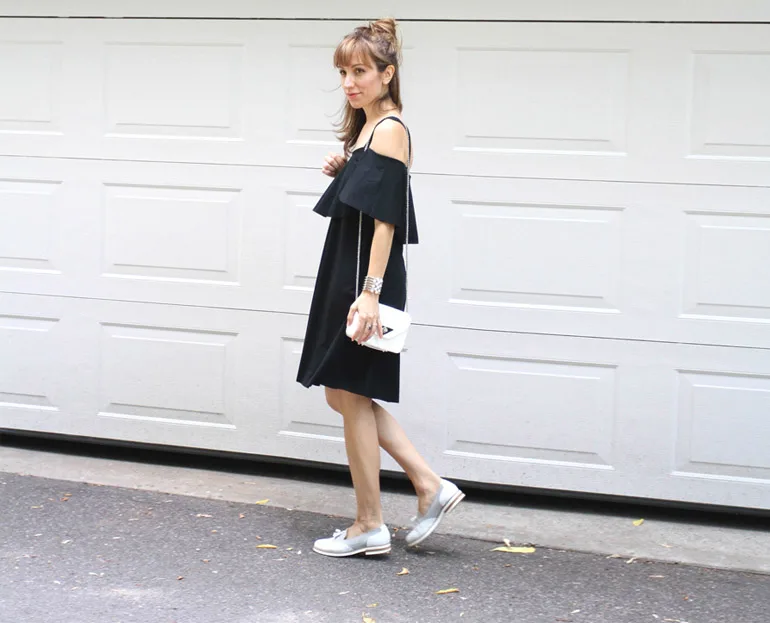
(389, 73)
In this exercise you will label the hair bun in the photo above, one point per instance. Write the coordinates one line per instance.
(385, 27)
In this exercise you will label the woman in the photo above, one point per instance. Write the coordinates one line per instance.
(370, 180)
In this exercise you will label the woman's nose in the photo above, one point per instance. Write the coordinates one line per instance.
(348, 82)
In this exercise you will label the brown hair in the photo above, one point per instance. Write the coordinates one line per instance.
(377, 41)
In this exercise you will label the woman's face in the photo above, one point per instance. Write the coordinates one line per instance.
(363, 83)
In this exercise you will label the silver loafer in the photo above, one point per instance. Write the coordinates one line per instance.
(446, 500)
(371, 543)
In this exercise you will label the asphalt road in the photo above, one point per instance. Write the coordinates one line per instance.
(80, 553)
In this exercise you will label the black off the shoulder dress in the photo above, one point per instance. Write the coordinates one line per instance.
(375, 186)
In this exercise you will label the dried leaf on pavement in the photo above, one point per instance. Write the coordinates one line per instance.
(265, 501)
(266, 546)
(202, 515)
(367, 619)
(403, 571)
(507, 543)
(639, 522)
(515, 550)
(446, 591)
(241, 515)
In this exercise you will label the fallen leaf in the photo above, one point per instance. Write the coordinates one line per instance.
(288, 549)
(515, 550)
(265, 501)
(66, 541)
(36, 507)
(367, 619)
(666, 545)
(446, 591)
(639, 522)
(202, 515)
(574, 611)
(206, 560)
(259, 538)
(403, 571)
(241, 516)
(507, 542)
(372, 605)
(214, 531)
(657, 576)
(181, 577)
(614, 556)
(266, 546)
(631, 560)
(343, 593)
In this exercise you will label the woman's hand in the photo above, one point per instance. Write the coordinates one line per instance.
(368, 307)
(333, 164)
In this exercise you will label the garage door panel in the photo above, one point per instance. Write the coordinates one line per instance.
(669, 263)
(140, 372)
(534, 392)
(193, 235)
(596, 415)
(727, 265)
(663, 263)
(718, 405)
(631, 102)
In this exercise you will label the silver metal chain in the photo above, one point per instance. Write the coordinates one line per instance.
(361, 220)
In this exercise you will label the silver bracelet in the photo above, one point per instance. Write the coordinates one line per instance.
(373, 284)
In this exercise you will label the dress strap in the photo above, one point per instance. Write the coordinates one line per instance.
(408, 134)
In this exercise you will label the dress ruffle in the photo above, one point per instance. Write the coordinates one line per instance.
(375, 185)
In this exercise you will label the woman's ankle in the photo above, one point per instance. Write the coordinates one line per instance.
(428, 486)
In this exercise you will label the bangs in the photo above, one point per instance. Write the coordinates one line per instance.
(352, 49)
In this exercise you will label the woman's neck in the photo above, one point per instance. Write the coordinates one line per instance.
(378, 110)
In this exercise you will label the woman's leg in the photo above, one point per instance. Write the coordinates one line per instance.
(394, 441)
(363, 450)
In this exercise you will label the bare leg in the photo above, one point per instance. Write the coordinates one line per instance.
(394, 441)
(363, 452)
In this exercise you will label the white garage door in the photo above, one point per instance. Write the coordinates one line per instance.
(592, 291)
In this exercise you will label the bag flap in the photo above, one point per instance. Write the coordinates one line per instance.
(394, 322)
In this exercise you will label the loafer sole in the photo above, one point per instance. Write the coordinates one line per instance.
(369, 551)
(448, 508)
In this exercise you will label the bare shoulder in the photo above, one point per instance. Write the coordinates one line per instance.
(390, 139)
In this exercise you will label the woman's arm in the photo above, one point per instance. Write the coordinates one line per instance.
(390, 140)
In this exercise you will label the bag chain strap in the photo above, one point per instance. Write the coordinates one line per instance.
(361, 219)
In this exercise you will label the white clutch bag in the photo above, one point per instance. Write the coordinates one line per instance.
(395, 326)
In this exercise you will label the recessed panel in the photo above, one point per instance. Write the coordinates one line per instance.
(513, 100)
(730, 101)
(305, 232)
(536, 255)
(314, 93)
(25, 371)
(531, 410)
(28, 220)
(304, 412)
(30, 74)
(727, 265)
(174, 90)
(172, 233)
(166, 374)
(724, 424)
